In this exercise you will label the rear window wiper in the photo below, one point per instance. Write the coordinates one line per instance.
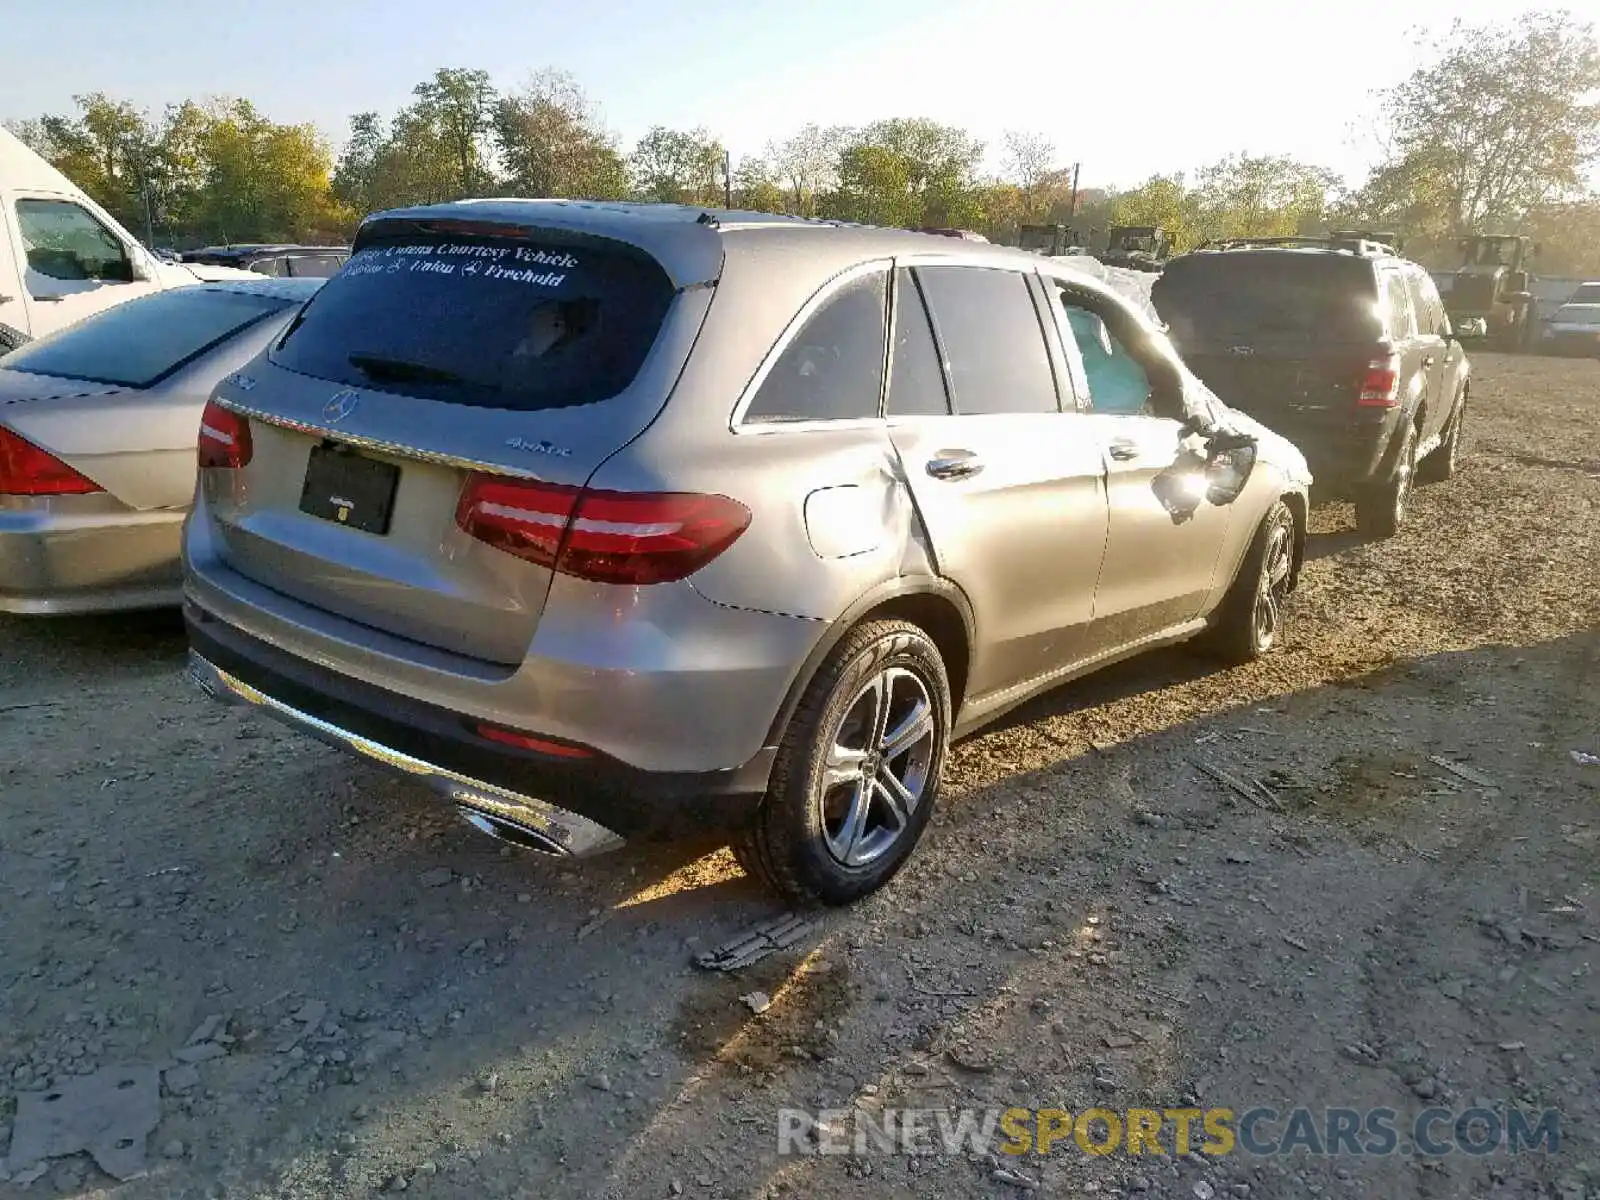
(376, 366)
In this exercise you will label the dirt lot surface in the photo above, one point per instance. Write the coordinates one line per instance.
(354, 992)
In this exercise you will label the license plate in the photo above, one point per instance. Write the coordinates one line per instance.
(349, 489)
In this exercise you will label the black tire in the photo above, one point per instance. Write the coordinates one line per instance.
(799, 842)
(1240, 631)
(1445, 460)
(1381, 509)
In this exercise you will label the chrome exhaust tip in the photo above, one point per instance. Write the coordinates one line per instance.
(512, 833)
(510, 817)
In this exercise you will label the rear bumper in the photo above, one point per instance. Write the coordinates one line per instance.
(586, 805)
(55, 561)
(659, 678)
(1343, 464)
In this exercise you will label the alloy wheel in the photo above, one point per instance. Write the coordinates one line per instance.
(877, 767)
(1276, 567)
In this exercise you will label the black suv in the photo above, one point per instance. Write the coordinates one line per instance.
(1339, 344)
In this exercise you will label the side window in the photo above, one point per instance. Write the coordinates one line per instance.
(1438, 319)
(916, 379)
(64, 241)
(1118, 383)
(1402, 323)
(1420, 307)
(269, 266)
(314, 266)
(833, 368)
(993, 342)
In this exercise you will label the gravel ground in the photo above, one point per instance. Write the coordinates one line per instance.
(353, 992)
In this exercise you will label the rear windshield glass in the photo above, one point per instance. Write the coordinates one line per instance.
(1233, 295)
(490, 322)
(140, 343)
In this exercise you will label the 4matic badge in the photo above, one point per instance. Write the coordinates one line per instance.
(549, 448)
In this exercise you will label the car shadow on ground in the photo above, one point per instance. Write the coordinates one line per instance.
(490, 1005)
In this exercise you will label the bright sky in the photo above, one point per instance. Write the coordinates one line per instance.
(1127, 88)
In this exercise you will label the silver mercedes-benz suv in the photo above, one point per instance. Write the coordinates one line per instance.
(611, 520)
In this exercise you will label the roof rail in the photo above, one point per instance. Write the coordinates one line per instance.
(1360, 244)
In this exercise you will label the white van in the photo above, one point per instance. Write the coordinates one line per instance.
(63, 257)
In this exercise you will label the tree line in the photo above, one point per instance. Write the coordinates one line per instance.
(1497, 132)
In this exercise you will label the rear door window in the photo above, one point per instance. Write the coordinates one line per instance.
(832, 369)
(1241, 297)
(484, 321)
(994, 346)
(1401, 320)
(1429, 309)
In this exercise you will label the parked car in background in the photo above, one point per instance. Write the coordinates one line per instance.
(967, 235)
(97, 432)
(607, 519)
(1341, 345)
(63, 257)
(280, 262)
(1574, 328)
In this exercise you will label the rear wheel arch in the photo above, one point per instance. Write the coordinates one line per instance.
(938, 608)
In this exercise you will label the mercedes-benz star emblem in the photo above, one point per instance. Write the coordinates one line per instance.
(340, 405)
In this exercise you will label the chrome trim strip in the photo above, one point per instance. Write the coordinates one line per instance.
(575, 835)
(375, 444)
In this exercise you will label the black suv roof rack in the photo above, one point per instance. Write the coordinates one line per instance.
(1349, 242)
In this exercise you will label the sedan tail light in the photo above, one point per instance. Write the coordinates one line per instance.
(1380, 383)
(606, 537)
(224, 438)
(26, 470)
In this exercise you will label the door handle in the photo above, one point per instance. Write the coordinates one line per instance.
(1428, 362)
(50, 299)
(954, 464)
(1124, 449)
(6, 299)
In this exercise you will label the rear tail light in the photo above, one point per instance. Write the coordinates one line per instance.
(26, 470)
(606, 537)
(1380, 383)
(224, 438)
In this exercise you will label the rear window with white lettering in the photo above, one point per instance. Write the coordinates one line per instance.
(490, 322)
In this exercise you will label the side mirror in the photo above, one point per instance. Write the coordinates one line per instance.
(1228, 471)
(140, 269)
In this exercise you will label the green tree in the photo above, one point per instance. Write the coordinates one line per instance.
(1030, 165)
(756, 188)
(1506, 118)
(1270, 196)
(1162, 200)
(356, 180)
(552, 143)
(909, 172)
(265, 182)
(678, 167)
(806, 164)
(107, 148)
(458, 107)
